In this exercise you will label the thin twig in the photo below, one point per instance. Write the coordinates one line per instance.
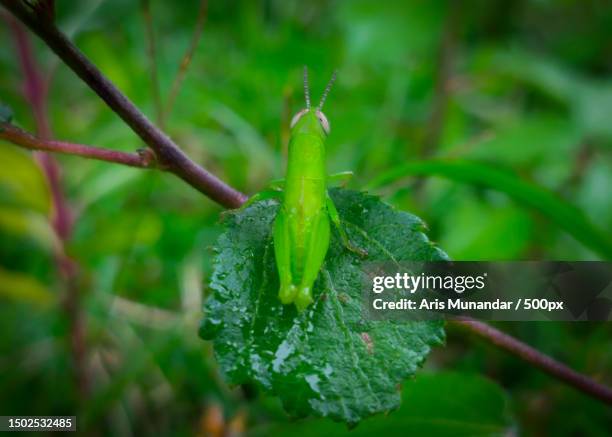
(36, 91)
(444, 75)
(187, 57)
(538, 359)
(167, 152)
(24, 139)
(442, 89)
(152, 52)
(35, 87)
(584, 158)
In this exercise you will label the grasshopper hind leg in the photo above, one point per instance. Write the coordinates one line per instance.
(314, 255)
(282, 252)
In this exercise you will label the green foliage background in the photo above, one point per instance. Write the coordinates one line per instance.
(529, 93)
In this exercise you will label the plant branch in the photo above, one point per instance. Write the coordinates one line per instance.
(187, 57)
(24, 139)
(538, 359)
(35, 92)
(168, 154)
(444, 75)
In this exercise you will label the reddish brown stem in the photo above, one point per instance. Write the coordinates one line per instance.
(24, 139)
(35, 92)
(538, 359)
(34, 87)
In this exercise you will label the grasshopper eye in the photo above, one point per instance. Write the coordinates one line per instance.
(324, 123)
(297, 117)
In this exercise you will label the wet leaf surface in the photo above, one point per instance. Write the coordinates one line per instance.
(327, 360)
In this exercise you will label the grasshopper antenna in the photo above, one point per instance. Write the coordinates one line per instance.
(306, 89)
(327, 88)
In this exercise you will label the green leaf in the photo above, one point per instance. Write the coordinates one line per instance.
(22, 182)
(589, 100)
(24, 288)
(442, 404)
(565, 215)
(327, 361)
(26, 223)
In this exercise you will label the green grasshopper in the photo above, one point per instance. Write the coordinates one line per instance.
(302, 224)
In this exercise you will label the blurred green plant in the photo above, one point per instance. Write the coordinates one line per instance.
(565, 215)
(526, 87)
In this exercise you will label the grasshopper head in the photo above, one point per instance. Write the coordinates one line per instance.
(317, 111)
(320, 117)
